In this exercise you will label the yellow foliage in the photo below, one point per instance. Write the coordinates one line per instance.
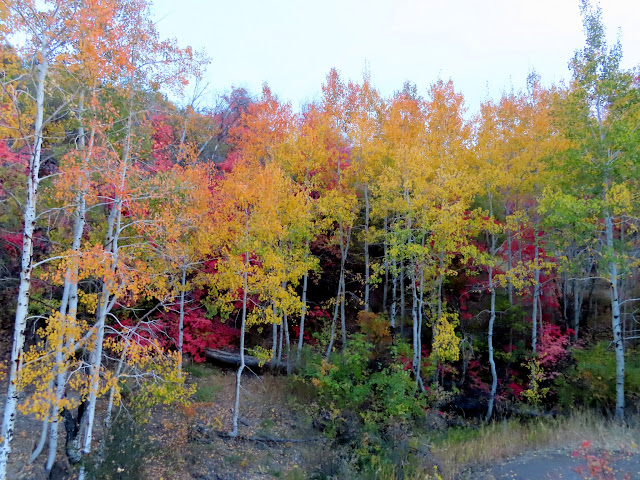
(446, 345)
(375, 327)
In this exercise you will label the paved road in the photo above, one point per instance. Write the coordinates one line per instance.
(554, 465)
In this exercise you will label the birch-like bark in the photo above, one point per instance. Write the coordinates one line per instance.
(105, 300)
(236, 405)
(183, 287)
(43, 439)
(29, 218)
(536, 295)
(274, 339)
(492, 363)
(420, 323)
(402, 299)
(287, 341)
(344, 248)
(334, 321)
(69, 303)
(616, 321)
(281, 328)
(394, 290)
(339, 308)
(492, 320)
(416, 325)
(509, 260)
(385, 246)
(367, 275)
(303, 314)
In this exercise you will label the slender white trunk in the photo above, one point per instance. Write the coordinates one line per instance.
(29, 217)
(281, 336)
(112, 391)
(303, 313)
(420, 323)
(492, 319)
(509, 259)
(616, 321)
(334, 321)
(385, 287)
(402, 299)
(414, 318)
(344, 248)
(105, 300)
(339, 308)
(236, 406)
(274, 332)
(437, 322)
(394, 290)
(285, 326)
(43, 437)
(69, 302)
(183, 286)
(367, 276)
(536, 296)
(492, 363)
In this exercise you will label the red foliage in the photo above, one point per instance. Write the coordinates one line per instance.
(516, 390)
(598, 466)
(473, 374)
(200, 333)
(12, 243)
(552, 348)
(162, 138)
(314, 317)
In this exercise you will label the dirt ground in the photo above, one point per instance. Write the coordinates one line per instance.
(277, 441)
(182, 442)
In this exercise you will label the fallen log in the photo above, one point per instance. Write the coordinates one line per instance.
(208, 434)
(233, 359)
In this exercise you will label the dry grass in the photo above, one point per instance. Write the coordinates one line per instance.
(461, 449)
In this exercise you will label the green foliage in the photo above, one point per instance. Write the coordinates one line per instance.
(378, 389)
(125, 449)
(592, 381)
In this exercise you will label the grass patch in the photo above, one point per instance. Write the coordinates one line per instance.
(207, 379)
(206, 392)
(200, 370)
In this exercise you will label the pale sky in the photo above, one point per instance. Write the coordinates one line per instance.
(485, 46)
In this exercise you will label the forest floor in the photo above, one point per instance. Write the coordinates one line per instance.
(278, 441)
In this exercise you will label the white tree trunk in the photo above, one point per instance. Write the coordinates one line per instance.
(367, 275)
(236, 406)
(492, 319)
(536, 295)
(303, 314)
(69, 303)
(183, 286)
(394, 295)
(616, 322)
(385, 287)
(105, 300)
(29, 217)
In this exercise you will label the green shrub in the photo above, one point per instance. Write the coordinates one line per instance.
(123, 454)
(377, 389)
(591, 382)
